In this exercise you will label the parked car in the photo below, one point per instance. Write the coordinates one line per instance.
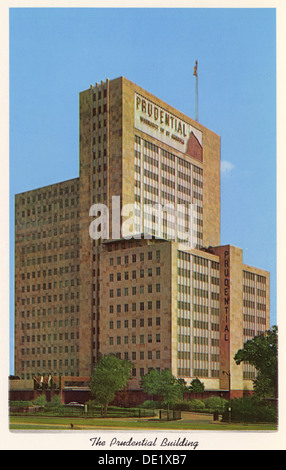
(74, 403)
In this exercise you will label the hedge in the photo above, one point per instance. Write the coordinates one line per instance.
(250, 410)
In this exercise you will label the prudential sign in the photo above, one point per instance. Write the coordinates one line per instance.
(168, 128)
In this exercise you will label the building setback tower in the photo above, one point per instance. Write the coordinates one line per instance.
(156, 288)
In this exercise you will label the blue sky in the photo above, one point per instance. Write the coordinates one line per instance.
(57, 52)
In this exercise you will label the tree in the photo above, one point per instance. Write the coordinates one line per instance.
(40, 400)
(262, 353)
(163, 383)
(110, 375)
(196, 386)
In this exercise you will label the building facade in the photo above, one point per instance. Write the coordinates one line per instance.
(126, 258)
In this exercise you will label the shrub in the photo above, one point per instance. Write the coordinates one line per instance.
(20, 403)
(196, 405)
(250, 410)
(40, 400)
(151, 404)
(215, 403)
(55, 403)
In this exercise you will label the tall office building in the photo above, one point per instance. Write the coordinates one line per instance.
(126, 258)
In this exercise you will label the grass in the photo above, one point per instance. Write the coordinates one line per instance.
(64, 423)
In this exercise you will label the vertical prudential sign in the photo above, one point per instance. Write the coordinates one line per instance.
(168, 128)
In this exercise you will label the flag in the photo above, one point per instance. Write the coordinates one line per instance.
(196, 69)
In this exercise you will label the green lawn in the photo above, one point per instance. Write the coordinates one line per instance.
(59, 423)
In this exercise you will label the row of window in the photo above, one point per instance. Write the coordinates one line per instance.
(50, 298)
(119, 276)
(49, 194)
(186, 372)
(118, 340)
(142, 306)
(134, 258)
(48, 337)
(198, 356)
(251, 332)
(134, 290)
(50, 285)
(251, 304)
(133, 323)
(43, 312)
(50, 259)
(49, 246)
(251, 276)
(56, 324)
(252, 319)
(51, 272)
(50, 233)
(50, 350)
(49, 363)
(51, 207)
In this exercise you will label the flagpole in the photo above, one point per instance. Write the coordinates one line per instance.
(196, 75)
(197, 96)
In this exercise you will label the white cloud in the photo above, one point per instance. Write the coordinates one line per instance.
(226, 167)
